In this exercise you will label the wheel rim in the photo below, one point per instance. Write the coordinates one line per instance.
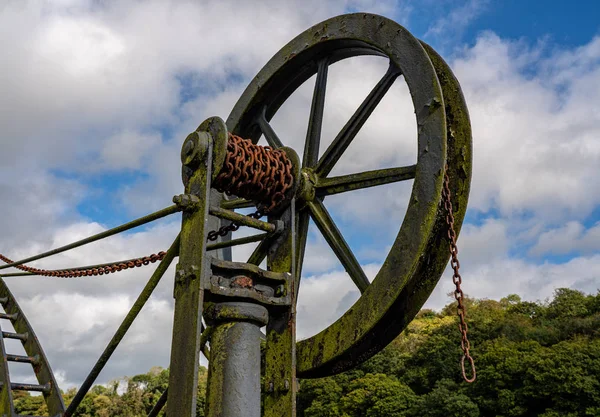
(409, 273)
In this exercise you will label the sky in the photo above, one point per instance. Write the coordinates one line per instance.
(97, 97)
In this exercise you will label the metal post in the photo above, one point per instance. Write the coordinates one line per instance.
(234, 367)
(196, 156)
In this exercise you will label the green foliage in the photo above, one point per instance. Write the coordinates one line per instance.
(534, 359)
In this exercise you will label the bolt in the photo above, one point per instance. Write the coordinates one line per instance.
(280, 291)
(188, 147)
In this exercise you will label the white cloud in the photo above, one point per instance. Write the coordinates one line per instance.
(91, 89)
(535, 146)
(573, 237)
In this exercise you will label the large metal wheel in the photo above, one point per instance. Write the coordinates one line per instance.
(420, 251)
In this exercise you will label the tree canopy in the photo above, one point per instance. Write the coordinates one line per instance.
(534, 359)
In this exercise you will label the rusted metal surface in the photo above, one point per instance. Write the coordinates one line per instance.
(35, 357)
(249, 282)
(457, 280)
(94, 270)
(259, 173)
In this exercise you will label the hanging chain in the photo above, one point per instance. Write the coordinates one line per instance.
(97, 270)
(231, 227)
(457, 279)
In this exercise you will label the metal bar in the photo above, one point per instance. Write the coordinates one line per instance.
(241, 219)
(279, 398)
(237, 203)
(270, 135)
(358, 119)
(34, 360)
(17, 386)
(301, 238)
(315, 122)
(188, 290)
(236, 242)
(19, 336)
(124, 227)
(135, 309)
(341, 184)
(260, 252)
(159, 405)
(6, 316)
(337, 242)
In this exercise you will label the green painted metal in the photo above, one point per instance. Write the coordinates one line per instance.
(241, 219)
(280, 384)
(6, 397)
(35, 355)
(196, 157)
(415, 263)
(351, 182)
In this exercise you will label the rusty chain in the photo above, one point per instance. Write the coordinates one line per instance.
(98, 270)
(257, 173)
(457, 279)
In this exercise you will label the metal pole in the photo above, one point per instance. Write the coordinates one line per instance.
(188, 292)
(234, 372)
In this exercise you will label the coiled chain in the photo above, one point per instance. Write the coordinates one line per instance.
(257, 173)
(457, 279)
(254, 172)
(97, 270)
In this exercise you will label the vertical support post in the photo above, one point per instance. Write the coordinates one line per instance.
(234, 367)
(280, 355)
(196, 156)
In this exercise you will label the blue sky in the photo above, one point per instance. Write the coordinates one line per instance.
(98, 96)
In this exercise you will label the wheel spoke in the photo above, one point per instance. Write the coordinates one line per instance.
(315, 122)
(358, 119)
(336, 241)
(301, 238)
(270, 135)
(341, 184)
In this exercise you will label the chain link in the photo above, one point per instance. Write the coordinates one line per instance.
(231, 227)
(257, 173)
(457, 280)
(98, 270)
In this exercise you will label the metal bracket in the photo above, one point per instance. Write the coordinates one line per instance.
(246, 281)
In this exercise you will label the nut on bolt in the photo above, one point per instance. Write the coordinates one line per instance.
(186, 201)
(194, 148)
